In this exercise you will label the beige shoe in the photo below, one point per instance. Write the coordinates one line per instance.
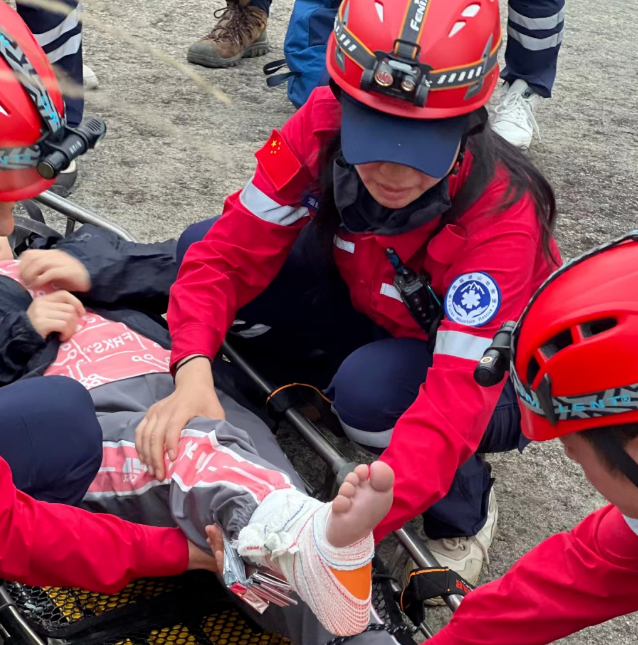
(239, 33)
(464, 555)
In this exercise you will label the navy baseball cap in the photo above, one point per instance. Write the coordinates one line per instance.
(429, 145)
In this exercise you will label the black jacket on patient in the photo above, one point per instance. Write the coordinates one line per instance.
(130, 283)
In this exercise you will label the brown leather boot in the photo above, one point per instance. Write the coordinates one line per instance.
(239, 33)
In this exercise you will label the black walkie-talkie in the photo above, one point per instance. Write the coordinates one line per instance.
(417, 294)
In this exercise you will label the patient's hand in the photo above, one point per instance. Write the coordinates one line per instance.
(56, 312)
(39, 268)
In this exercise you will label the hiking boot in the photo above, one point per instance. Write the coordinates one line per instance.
(239, 33)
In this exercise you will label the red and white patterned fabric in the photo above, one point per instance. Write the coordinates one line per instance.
(101, 351)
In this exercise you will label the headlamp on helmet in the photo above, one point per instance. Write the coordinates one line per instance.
(398, 77)
(59, 144)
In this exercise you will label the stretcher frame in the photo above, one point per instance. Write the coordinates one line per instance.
(15, 628)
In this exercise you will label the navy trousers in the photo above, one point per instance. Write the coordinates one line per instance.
(534, 36)
(50, 437)
(303, 327)
(61, 38)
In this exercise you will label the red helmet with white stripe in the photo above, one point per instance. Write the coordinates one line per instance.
(419, 59)
(31, 107)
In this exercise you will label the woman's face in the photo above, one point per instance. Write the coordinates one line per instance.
(6, 218)
(393, 185)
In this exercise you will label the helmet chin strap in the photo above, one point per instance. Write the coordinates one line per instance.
(619, 456)
(478, 123)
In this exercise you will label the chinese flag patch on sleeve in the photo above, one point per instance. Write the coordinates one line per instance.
(278, 161)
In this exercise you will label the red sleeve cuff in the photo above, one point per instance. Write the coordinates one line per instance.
(195, 339)
(161, 552)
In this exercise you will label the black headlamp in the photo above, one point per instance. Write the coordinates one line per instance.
(60, 144)
(398, 77)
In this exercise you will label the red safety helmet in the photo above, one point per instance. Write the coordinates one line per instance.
(572, 352)
(419, 59)
(409, 73)
(31, 107)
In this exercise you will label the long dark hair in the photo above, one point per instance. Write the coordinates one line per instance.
(489, 152)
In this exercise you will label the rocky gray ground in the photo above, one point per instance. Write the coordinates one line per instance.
(174, 151)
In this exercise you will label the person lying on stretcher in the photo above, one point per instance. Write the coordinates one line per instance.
(75, 320)
(89, 312)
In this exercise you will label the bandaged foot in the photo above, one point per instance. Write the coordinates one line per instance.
(324, 551)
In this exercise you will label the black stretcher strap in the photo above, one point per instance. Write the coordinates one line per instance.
(425, 584)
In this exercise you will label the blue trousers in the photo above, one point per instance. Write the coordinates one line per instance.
(534, 36)
(313, 334)
(50, 437)
(61, 38)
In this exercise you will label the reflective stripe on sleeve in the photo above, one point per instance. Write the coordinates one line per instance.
(262, 206)
(461, 345)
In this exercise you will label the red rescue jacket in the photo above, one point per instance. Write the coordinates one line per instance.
(247, 247)
(569, 582)
(55, 545)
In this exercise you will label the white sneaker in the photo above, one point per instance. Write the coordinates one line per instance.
(90, 79)
(464, 555)
(514, 118)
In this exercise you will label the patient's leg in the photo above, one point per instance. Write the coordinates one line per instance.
(219, 476)
(324, 550)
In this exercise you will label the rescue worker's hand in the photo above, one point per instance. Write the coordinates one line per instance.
(39, 268)
(56, 312)
(162, 426)
(198, 559)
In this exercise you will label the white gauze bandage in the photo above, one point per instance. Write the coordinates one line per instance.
(287, 533)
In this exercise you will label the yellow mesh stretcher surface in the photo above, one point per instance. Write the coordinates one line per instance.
(188, 610)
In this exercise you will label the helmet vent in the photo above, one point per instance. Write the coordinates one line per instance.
(533, 368)
(598, 327)
(560, 341)
(3, 112)
(457, 27)
(471, 10)
(379, 7)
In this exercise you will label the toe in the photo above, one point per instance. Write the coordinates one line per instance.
(352, 479)
(381, 476)
(363, 472)
(341, 504)
(347, 489)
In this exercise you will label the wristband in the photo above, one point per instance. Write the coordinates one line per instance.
(188, 360)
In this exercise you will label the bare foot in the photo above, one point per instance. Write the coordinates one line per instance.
(364, 499)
